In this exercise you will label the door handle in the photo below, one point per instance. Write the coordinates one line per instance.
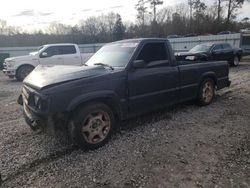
(76, 57)
(59, 58)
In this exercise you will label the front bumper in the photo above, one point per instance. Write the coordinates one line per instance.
(9, 72)
(34, 120)
(39, 120)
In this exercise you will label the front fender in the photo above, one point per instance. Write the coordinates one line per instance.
(92, 96)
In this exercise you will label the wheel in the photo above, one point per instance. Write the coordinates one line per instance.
(23, 71)
(92, 126)
(206, 92)
(236, 61)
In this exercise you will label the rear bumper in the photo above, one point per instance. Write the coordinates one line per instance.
(223, 82)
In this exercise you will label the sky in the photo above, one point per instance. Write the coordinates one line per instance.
(35, 15)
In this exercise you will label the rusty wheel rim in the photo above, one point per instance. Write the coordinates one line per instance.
(96, 127)
(207, 92)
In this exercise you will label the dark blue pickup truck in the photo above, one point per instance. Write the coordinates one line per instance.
(123, 79)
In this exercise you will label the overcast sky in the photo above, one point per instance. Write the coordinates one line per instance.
(32, 14)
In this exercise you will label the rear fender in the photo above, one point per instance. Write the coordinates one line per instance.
(208, 75)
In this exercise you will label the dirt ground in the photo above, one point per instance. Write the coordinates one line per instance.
(182, 146)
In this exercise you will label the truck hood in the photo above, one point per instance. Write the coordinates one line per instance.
(43, 76)
(21, 58)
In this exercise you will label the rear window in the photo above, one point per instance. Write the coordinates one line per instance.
(153, 52)
(67, 49)
(226, 46)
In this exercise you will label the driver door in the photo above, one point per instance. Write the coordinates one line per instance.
(51, 56)
(152, 86)
(217, 53)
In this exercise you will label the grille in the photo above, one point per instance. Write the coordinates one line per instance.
(25, 94)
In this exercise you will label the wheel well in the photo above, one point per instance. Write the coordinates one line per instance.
(23, 66)
(211, 77)
(110, 102)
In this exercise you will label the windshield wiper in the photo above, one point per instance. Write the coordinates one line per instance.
(106, 65)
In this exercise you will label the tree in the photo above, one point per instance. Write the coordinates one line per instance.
(58, 29)
(154, 4)
(119, 29)
(219, 9)
(3, 26)
(141, 11)
(232, 7)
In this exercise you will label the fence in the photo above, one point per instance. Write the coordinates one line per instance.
(185, 44)
(178, 44)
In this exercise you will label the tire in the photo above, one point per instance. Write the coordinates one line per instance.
(206, 92)
(92, 126)
(23, 71)
(235, 61)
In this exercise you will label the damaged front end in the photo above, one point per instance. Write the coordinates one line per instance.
(35, 110)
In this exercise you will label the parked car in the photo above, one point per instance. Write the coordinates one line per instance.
(191, 35)
(173, 36)
(121, 80)
(212, 52)
(246, 30)
(50, 54)
(225, 33)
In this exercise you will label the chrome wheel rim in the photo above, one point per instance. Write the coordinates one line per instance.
(96, 127)
(236, 61)
(207, 92)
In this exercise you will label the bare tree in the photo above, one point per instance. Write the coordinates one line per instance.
(58, 28)
(154, 4)
(219, 9)
(3, 26)
(141, 11)
(232, 7)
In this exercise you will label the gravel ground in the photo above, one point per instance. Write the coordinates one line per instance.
(182, 146)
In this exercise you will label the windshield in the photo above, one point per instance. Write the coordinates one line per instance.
(39, 48)
(115, 55)
(201, 48)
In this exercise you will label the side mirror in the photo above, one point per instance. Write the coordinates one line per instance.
(139, 64)
(44, 54)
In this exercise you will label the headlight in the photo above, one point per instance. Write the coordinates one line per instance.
(39, 103)
(10, 63)
(36, 99)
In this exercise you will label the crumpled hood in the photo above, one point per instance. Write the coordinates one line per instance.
(20, 58)
(43, 76)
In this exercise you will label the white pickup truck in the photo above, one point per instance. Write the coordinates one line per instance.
(50, 54)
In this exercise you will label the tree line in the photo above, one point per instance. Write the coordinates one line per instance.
(152, 20)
